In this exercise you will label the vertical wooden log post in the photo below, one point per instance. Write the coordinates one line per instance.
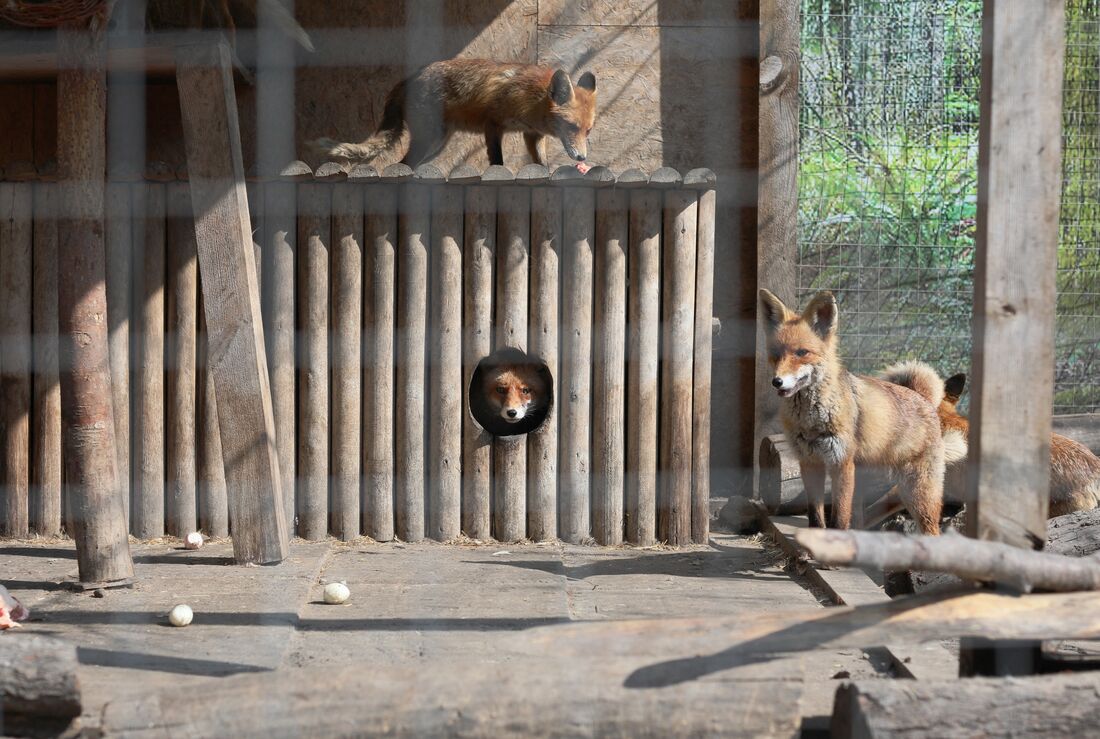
(347, 315)
(16, 211)
(479, 256)
(183, 281)
(314, 234)
(575, 399)
(1019, 187)
(542, 444)
(677, 372)
(147, 506)
(120, 305)
(232, 301)
(777, 183)
(99, 517)
(413, 226)
(702, 181)
(643, 358)
(213, 503)
(608, 367)
(46, 444)
(445, 430)
(380, 302)
(513, 255)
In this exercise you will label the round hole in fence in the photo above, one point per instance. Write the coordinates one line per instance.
(511, 393)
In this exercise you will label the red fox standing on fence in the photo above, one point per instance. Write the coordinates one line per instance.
(837, 420)
(483, 96)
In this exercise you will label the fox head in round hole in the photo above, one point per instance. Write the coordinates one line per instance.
(511, 393)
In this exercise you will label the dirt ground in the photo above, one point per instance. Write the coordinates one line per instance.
(411, 605)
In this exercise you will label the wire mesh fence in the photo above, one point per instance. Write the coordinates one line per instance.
(888, 183)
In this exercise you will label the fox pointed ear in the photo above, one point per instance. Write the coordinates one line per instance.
(775, 312)
(561, 89)
(821, 314)
(954, 385)
(587, 82)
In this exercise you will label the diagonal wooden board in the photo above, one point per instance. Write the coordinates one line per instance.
(853, 587)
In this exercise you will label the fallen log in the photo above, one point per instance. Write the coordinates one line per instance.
(1042, 706)
(39, 691)
(1074, 534)
(970, 559)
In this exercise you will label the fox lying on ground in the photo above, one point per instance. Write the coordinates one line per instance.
(836, 420)
(480, 95)
(1074, 469)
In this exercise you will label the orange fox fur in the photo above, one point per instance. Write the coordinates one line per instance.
(1074, 469)
(837, 420)
(513, 391)
(482, 96)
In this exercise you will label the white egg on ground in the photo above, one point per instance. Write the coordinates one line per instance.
(181, 615)
(336, 593)
(193, 540)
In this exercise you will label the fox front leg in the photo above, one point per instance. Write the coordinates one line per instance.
(534, 147)
(494, 139)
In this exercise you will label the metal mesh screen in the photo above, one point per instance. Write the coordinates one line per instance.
(888, 183)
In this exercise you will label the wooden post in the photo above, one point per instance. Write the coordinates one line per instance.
(608, 371)
(643, 360)
(542, 444)
(213, 504)
(16, 213)
(575, 397)
(478, 269)
(1019, 186)
(777, 186)
(347, 315)
(281, 205)
(513, 256)
(99, 519)
(413, 225)
(120, 305)
(702, 180)
(45, 516)
(147, 507)
(380, 301)
(677, 371)
(314, 234)
(232, 301)
(183, 282)
(445, 419)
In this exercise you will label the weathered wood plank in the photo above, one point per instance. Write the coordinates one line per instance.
(704, 333)
(1019, 186)
(45, 514)
(232, 301)
(347, 315)
(121, 221)
(213, 503)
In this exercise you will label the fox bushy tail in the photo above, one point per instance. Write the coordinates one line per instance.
(385, 138)
(916, 376)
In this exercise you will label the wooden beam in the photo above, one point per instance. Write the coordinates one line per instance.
(99, 517)
(38, 685)
(1019, 185)
(231, 299)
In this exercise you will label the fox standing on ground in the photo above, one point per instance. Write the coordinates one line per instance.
(480, 95)
(836, 420)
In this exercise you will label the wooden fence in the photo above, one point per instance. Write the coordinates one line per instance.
(381, 292)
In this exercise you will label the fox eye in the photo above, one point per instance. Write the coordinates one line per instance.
(502, 390)
(526, 391)
(574, 128)
(802, 352)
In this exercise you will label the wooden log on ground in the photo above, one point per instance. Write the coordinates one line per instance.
(314, 234)
(1042, 706)
(513, 267)
(280, 204)
(45, 513)
(970, 559)
(479, 267)
(232, 300)
(99, 516)
(347, 315)
(678, 304)
(642, 386)
(121, 220)
(575, 396)
(213, 504)
(608, 367)
(445, 419)
(181, 482)
(702, 180)
(38, 685)
(1074, 534)
(380, 299)
(780, 481)
(16, 217)
(414, 226)
(542, 444)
